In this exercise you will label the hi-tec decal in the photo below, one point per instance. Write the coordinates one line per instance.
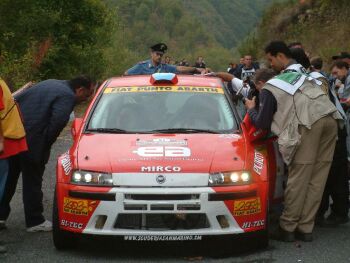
(77, 206)
(160, 169)
(164, 89)
(66, 163)
(250, 224)
(258, 162)
(71, 224)
(246, 207)
(166, 151)
(161, 141)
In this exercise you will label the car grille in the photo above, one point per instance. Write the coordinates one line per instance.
(161, 196)
(158, 222)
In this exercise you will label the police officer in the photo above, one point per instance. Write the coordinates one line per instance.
(155, 65)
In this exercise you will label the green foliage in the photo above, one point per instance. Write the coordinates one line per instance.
(249, 46)
(54, 39)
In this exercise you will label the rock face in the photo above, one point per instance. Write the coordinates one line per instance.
(321, 26)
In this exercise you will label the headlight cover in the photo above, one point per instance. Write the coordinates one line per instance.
(91, 178)
(229, 178)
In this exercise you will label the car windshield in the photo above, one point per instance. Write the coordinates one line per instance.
(163, 109)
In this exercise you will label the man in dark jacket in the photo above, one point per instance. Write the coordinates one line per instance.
(247, 69)
(46, 108)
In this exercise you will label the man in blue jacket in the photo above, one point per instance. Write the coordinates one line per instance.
(45, 108)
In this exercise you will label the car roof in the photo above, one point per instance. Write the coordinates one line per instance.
(183, 80)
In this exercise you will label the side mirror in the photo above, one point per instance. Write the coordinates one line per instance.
(76, 126)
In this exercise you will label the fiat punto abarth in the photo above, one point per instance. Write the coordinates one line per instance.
(163, 157)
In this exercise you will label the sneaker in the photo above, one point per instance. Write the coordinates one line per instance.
(46, 226)
(2, 224)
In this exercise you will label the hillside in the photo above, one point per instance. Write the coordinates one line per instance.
(209, 28)
(321, 25)
(228, 20)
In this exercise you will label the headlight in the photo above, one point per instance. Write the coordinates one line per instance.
(229, 178)
(91, 178)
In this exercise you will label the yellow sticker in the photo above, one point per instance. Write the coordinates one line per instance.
(164, 89)
(77, 206)
(247, 207)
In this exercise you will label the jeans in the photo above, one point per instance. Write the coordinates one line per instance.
(4, 168)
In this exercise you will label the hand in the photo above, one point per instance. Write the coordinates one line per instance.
(210, 74)
(250, 104)
(201, 70)
(208, 70)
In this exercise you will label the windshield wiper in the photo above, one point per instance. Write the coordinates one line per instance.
(182, 130)
(108, 130)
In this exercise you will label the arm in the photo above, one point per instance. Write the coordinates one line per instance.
(237, 84)
(224, 76)
(60, 112)
(183, 69)
(262, 119)
(135, 70)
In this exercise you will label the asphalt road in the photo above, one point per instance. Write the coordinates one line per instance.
(329, 245)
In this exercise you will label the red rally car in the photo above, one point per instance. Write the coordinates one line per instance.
(164, 157)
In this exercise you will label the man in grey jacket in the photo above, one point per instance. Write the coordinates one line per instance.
(45, 108)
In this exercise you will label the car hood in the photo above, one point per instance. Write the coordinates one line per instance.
(185, 153)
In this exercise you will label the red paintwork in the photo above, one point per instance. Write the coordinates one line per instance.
(213, 153)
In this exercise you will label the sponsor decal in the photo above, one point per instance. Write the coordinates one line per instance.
(71, 224)
(258, 162)
(160, 169)
(246, 207)
(250, 224)
(163, 238)
(66, 163)
(163, 151)
(161, 141)
(164, 89)
(229, 136)
(78, 206)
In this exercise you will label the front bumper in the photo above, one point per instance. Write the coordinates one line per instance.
(162, 212)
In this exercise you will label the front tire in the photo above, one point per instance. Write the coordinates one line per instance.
(61, 239)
